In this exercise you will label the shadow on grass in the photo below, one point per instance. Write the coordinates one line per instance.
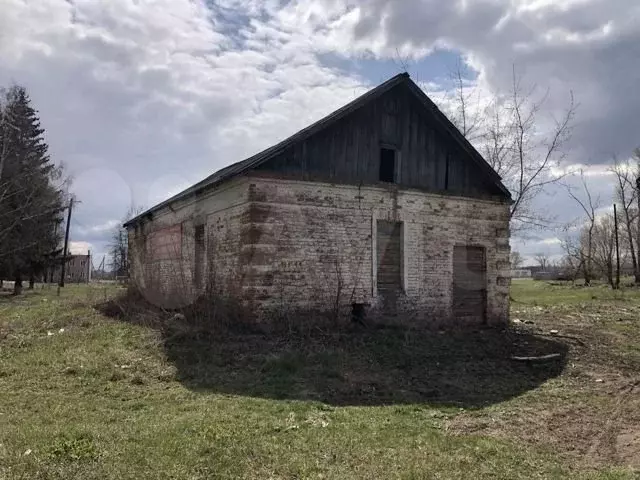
(368, 366)
(7, 297)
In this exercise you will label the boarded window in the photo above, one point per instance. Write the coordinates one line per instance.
(389, 258)
(165, 243)
(387, 165)
(469, 284)
(199, 256)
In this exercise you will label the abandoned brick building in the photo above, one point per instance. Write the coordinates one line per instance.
(383, 203)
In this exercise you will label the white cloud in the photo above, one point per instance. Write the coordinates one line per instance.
(143, 97)
(594, 170)
(551, 241)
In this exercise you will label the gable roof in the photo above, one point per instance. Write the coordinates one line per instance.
(250, 163)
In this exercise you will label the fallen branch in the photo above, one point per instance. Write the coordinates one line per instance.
(557, 335)
(542, 358)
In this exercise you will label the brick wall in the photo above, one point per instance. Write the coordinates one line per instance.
(162, 249)
(281, 244)
(313, 245)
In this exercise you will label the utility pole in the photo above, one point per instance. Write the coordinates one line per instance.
(615, 222)
(66, 246)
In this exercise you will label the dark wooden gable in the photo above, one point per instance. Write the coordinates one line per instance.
(349, 150)
(345, 147)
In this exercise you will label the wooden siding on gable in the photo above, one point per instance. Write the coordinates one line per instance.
(349, 150)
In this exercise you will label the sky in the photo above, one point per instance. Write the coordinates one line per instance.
(142, 98)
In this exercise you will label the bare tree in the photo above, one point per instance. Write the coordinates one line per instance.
(119, 245)
(466, 113)
(534, 154)
(516, 259)
(118, 250)
(626, 194)
(570, 265)
(542, 259)
(585, 243)
(636, 154)
(496, 143)
(512, 135)
(604, 247)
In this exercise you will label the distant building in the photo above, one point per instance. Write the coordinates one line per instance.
(551, 273)
(77, 269)
(520, 273)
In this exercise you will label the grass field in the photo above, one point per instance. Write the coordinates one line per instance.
(86, 394)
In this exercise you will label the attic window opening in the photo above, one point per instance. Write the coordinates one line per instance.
(387, 165)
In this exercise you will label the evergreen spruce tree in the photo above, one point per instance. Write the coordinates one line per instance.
(31, 197)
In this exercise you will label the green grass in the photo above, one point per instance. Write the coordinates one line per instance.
(86, 396)
(553, 293)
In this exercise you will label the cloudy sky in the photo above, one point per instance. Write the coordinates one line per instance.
(141, 98)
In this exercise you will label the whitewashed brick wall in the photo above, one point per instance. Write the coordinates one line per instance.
(321, 236)
(277, 243)
(167, 280)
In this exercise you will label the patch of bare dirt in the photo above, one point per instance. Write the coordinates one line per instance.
(628, 447)
(591, 413)
(594, 428)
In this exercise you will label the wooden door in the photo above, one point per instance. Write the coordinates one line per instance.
(469, 284)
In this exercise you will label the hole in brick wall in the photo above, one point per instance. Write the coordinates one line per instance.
(357, 312)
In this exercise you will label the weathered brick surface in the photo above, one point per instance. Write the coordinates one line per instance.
(315, 244)
(162, 268)
(283, 244)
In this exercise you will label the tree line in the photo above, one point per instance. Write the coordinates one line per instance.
(602, 237)
(603, 242)
(33, 193)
